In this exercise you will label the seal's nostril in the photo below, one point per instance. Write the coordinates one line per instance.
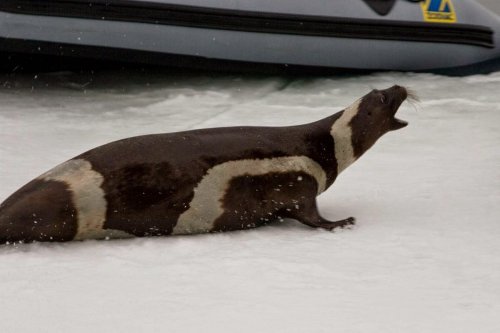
(403, 94)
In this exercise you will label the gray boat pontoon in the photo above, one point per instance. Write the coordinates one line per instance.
(411, 35)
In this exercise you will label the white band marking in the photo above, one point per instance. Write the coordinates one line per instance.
(206, 205)
(342, 135)
(88, 198)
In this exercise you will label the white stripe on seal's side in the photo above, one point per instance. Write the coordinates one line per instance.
(342, 136)
(206, 205)
(87, 196)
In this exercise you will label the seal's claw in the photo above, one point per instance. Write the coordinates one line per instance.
(350, 221)
(337, 224)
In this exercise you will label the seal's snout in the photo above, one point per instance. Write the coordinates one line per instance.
(397, 95)
(402, 92)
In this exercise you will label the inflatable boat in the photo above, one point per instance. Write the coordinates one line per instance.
(403, 35)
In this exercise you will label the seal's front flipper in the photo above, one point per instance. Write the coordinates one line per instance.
(329, 225)
(308, 214)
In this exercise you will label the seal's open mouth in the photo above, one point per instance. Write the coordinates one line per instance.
(401, 94)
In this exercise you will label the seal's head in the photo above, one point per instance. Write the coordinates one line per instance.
(375, 116)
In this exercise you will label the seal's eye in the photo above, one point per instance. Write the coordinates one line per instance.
(383, 99)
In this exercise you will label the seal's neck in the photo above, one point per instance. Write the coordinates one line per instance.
(341, 132)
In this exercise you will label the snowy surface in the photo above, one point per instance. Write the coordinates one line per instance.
(423, 257)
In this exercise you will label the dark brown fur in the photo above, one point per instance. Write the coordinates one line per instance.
(147, 194)
(41, 211)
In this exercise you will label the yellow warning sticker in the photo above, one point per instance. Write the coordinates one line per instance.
(440, 11)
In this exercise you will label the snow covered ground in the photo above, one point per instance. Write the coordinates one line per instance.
(423, 257)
